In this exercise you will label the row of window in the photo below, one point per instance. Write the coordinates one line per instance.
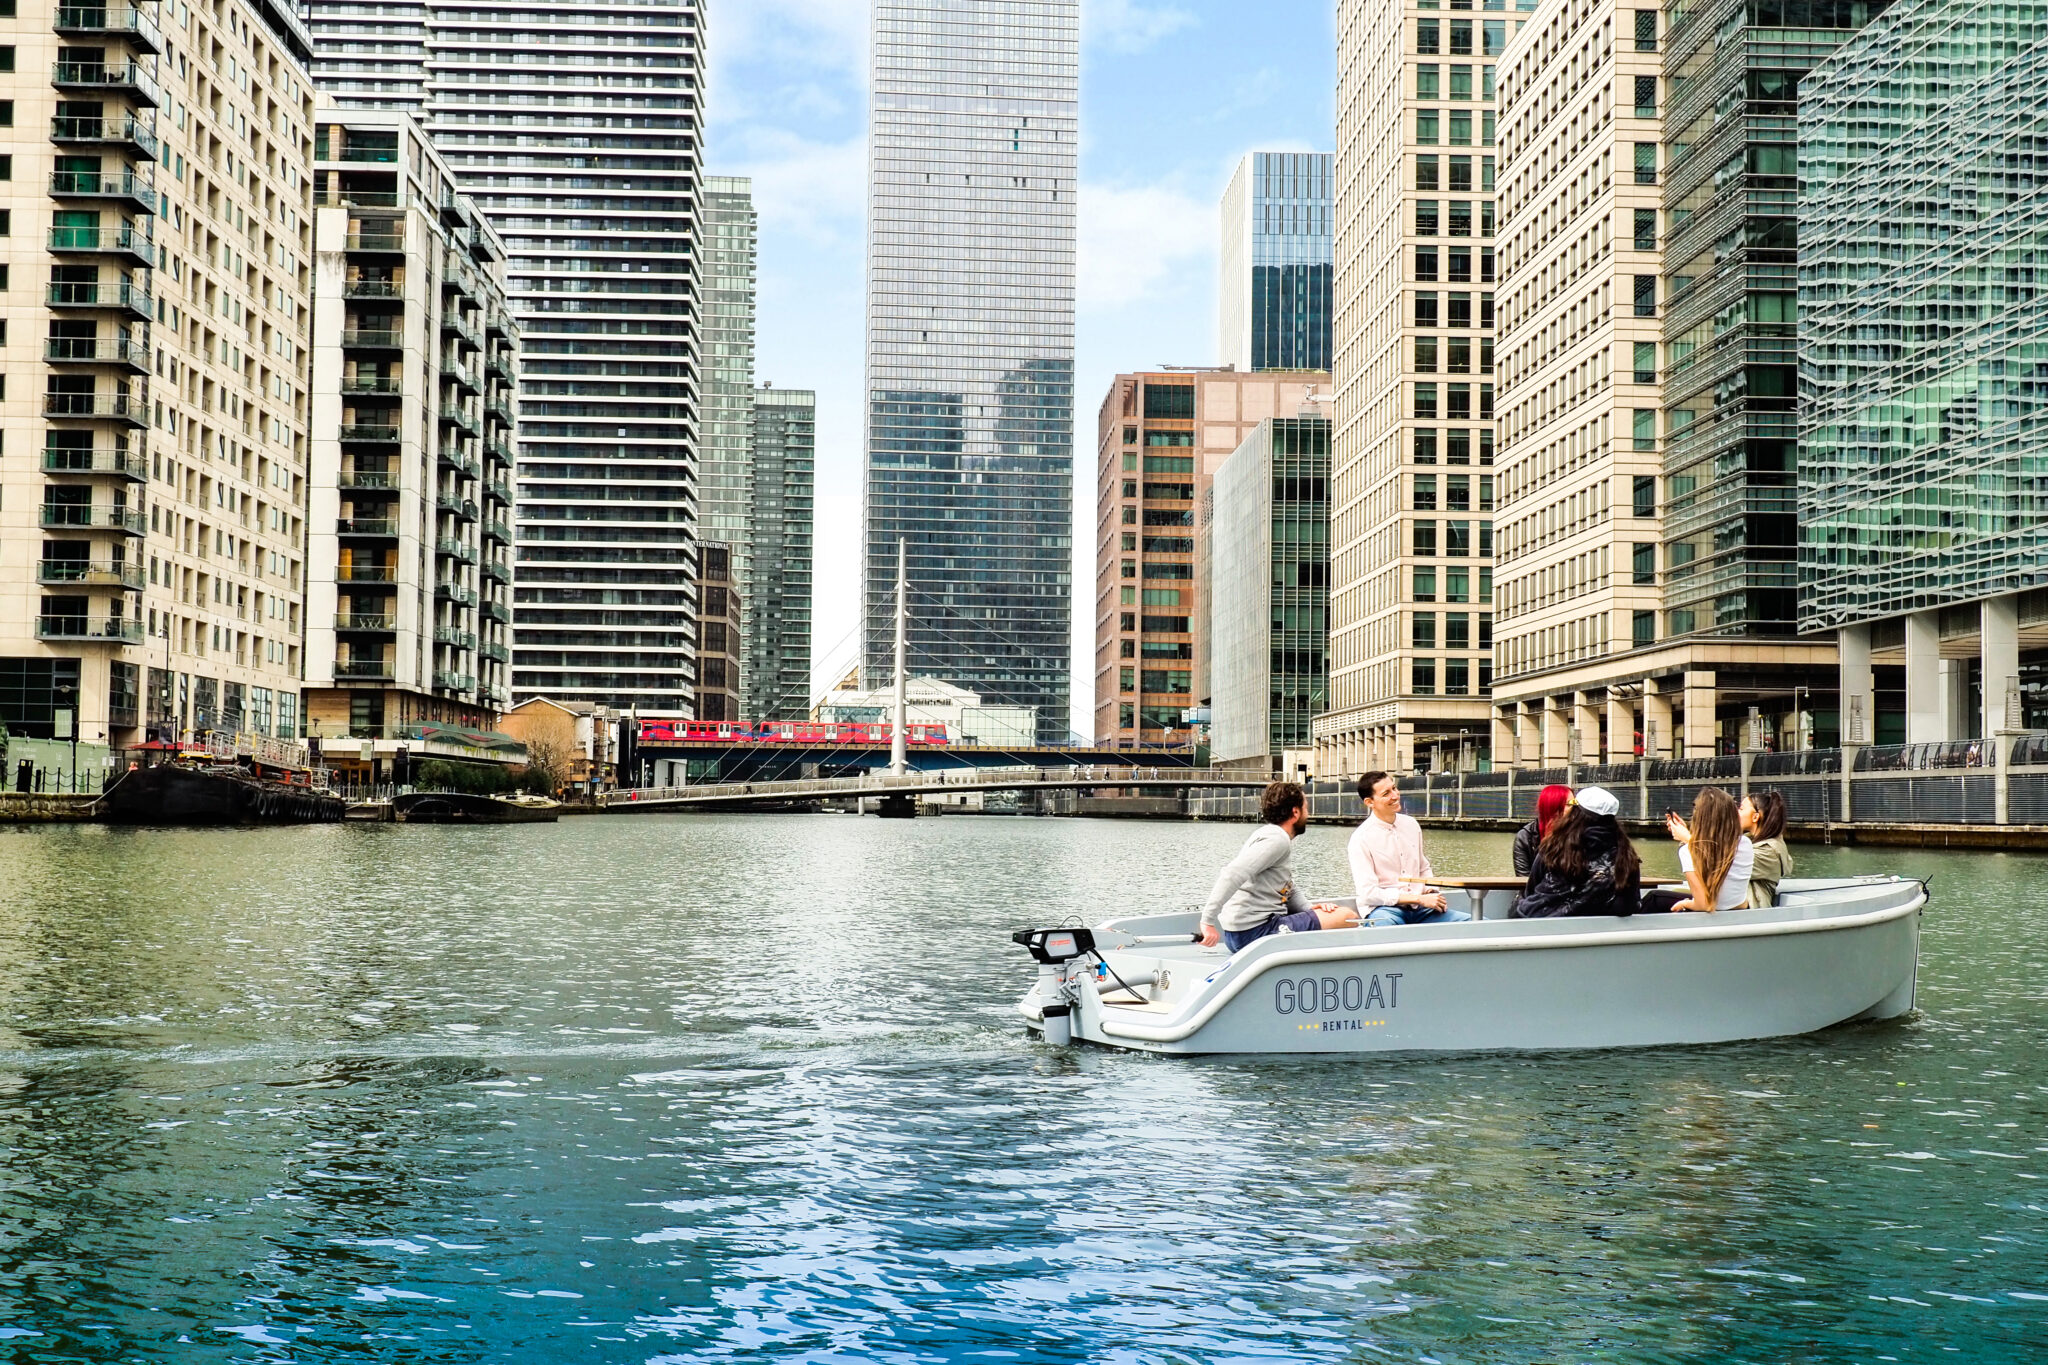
(1457, 493)
(1457, 445)
(1456, 263)
(1454, 126)
(1457, 632)
(1457, 583)
(1458, 174)
(1456, 311)
(1457, 673)
(1456, 352)
(1457, 402)
(1455, 220)
(1429, 84)
(1431, 33)
(1456, 540)
(1154, 625)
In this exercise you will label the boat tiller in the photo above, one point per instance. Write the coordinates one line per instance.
(1055, 951)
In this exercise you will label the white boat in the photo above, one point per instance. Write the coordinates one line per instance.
(1829, 952)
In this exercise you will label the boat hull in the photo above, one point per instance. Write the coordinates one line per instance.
(1648, 981)
(179, 794)
(461, 808)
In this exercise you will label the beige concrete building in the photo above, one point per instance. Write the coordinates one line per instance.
(158, 251)
(1412, 468)
(1160, 438)
(1582, 671)
(410, 514)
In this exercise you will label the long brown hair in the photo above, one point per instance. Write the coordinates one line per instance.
(1716, 828)
(1564, 848)
(1770, 813)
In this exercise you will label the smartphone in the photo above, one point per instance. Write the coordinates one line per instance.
(1672, 815)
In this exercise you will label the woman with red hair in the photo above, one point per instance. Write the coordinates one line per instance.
(1550, 803)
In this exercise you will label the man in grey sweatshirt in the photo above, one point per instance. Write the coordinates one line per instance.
(1255, 895)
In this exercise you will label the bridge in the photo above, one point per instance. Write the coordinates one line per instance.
(665, 762)
(902, 792)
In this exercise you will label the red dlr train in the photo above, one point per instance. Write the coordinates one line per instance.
(785, 732)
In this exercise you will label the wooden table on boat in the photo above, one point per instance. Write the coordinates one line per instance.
(1494, 897)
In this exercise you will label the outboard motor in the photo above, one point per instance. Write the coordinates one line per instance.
(1055, 950)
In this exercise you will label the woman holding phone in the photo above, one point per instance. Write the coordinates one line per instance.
(1713, 853)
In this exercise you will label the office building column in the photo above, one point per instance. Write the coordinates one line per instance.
(1702, 734)
(1621, 728)
(1556, 747)
(1504, 755)
(1999, 650)
(1925, 721)
(1657, 732)
(1859, 685)
(1586, 720)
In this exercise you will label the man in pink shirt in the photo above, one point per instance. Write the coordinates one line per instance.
(1388, 865)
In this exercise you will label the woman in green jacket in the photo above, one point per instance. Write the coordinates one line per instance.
(1763, 820)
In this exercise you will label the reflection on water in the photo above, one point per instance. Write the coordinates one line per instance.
(690, 1088)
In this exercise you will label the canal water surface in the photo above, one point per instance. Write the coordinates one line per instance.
(702, 1088)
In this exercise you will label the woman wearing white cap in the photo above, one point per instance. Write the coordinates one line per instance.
(1585, 864)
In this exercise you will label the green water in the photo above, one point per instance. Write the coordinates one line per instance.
(705, 1088)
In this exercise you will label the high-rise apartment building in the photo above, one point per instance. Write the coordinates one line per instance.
(970, 344)
(1412, 466)
(1160, 437)
(725, 478)
(1279, 217)
(1269, 592)
(152, 492)
(778, 629)
(576, 131)
(409, 563)
(1924, 422)
(718, 633)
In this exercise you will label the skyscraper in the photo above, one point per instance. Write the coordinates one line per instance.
(725, 469)
(778, 625)
(1279, 216)
(970, 344)
(576, 132)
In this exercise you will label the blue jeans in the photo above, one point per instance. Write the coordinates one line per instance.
(1387, 915)
(1300, 922)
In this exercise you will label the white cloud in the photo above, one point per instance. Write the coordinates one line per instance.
(1128, 26)
(821, 33)
(1132, 240)
(815, 191)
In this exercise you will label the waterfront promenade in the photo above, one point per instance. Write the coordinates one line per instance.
(710, 1087)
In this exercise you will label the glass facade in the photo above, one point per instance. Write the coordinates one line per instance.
(778, 662)
(1269, 596)
(725, 465)
(1728, 300)
(1924, 325)
(970, 345)
(1279, 218)
(576, 132)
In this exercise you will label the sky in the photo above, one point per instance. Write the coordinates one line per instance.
(1173, 94)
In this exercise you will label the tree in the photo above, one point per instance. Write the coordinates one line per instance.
(547, 765)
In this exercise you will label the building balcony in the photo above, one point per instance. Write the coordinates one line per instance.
(499, 612)
(463, 379)
(498, 325)
(110, 23)
(89, 573)
(499, 363)
(353, 197)
(364, 670)
(499, 531)
(369, 481)
(383, 528)
(128, 355)
(374, 339)
(378, 241)
(454, 208)
(461, 421)
(123, 131)
(118, 630)
(95, 407)
(357, 384)
(372, 289)
(127, 187)
(121, 298)
(359, 621)
(64, 516)
(497, 654)
(369, 433)
(455, 325)
(109, 78)
(456, 506)
(499, 492)
(453, 638)
(500, 453)
(123, 464)
(456, 593)
(447, 680)
(496, 572)
(501, 412)
(367, 573)
(129, 242)
(460, 551)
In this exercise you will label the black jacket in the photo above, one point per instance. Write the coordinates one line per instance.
(1526, 842)
(1549, 895)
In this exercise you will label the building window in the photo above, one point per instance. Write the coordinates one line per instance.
(1425, 539)
(1644, 429)
(1425, 583)
(1457, 492)
(1457, 677)
(1643, 628)
(1127, 620)
(1425, 173)
(1457, 539)
(1645, 357)
(1461, 128)
(1646, 30)
(1645, 490)
(1461, 82)
(1422, 632)
(1457, 584)
(1425, 264)
(1486, 124)
(1646, 296)
(1496, 36)
(1425, 355)
(1425, 127)
(1425, 492)
(1461, 37)
(1458, 402)
(1457, 630)
(1170, 402)
(1679, 622)
(1486, 436)
(1425, 402)
(1646, 163)
(1646, 229)
(1461, 175)
(1426, 82)
(1130, 568)
(1458, 356)
(1643, 564)
(1425, 445)
(1425, 309)
(1458, 310)
(1646, 97)
(1422, 677)
(1127, 679)
(1428, 37)
(1461, 218)
(1457, 446)
(1425, 218)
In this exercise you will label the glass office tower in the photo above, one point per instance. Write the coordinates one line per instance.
(785, 454)
(575, 130)
(725, 478)
(1279, 225)
(970, 345)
